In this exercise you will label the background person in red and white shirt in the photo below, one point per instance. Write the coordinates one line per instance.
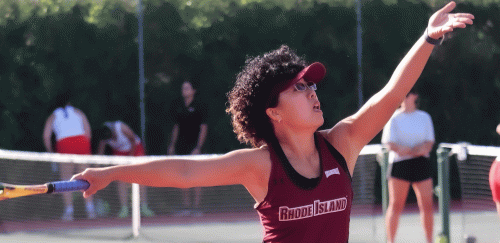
(124, 142)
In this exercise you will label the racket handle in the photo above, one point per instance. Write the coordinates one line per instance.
(67, 186)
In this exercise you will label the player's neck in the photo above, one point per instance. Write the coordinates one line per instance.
(408, 108)
(299, 145)
(302, 155)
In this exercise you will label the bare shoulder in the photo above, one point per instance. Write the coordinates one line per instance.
(340, 137)
(339, 134)
(262, 151)
(257, 170)
(124, 127)
(52, 116)
(49, 121)
(257, 158)
(249, 167)
(79, 112)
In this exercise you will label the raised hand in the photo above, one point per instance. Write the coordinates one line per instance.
(442, 21)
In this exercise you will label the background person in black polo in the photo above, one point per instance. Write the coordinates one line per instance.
(188, 136)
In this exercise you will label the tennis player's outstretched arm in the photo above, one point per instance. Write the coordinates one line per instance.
(248, 167)
(351, 134)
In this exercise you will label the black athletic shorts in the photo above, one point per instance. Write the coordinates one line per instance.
(412, 170)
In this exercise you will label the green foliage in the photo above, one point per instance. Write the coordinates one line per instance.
(91, 48)
(197, 14)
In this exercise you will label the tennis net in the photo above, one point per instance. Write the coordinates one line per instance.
(26, 168)
(474, 180)
(474, 173)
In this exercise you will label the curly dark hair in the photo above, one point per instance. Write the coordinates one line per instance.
(257, 88)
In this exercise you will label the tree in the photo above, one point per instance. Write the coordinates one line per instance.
(92, 48)
(197, 14)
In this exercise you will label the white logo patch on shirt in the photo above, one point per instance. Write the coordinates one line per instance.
(335, 171)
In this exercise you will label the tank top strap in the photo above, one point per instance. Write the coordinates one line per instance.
(277, 170)
(330, 154)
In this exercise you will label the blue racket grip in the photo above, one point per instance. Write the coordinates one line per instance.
(67, 186)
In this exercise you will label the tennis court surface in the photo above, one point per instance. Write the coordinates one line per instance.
(240, 227)
(228, 214)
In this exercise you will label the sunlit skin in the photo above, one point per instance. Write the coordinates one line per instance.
(298, 110)
(295, 119)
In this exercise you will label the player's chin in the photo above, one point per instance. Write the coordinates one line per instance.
(320, 118)
(317, 122)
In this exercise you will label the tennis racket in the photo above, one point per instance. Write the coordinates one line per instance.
(12, 191)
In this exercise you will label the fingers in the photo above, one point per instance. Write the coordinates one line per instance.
(458, 25)
(451, 27)
(76, 177)
(462, 18)
(460, 22)
(90, 191)
(448, 8)
(465, 20)
(463, 15)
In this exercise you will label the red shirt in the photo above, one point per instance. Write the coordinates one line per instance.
(298, 209)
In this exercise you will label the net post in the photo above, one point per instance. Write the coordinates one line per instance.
(136, 212)
(384, 162)
(443, 192)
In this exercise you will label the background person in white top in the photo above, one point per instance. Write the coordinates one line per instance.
(124, 142)
(409, 135)
(73, 136)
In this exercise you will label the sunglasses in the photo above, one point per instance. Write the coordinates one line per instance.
(304, 87)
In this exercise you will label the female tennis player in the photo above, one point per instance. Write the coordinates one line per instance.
(299, 177)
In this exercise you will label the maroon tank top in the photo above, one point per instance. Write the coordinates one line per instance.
(298, 209)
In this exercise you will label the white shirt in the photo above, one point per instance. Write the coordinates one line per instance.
(67, 123)
(407, 129)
